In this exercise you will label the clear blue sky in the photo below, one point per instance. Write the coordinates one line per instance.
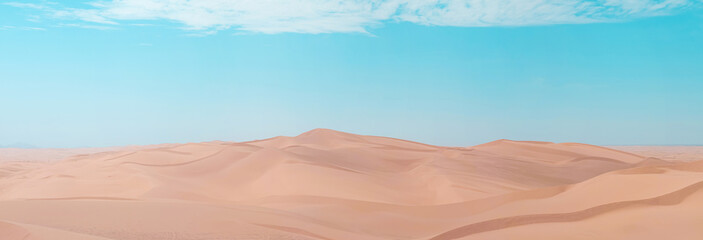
(74, 74)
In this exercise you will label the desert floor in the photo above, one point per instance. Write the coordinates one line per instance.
(326, 184)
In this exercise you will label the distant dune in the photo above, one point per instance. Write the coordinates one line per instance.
(325, 184)
(54, 154)
(668, 153)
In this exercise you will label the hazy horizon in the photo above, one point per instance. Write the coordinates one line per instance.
(30, 146)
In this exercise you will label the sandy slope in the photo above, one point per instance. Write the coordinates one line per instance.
(668, 153)
(55, 154)
(325, 184)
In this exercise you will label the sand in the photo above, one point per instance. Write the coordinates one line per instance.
(668, 153)
(55, 154)
(325, 184)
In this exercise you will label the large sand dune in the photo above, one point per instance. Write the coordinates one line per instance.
(326, 184)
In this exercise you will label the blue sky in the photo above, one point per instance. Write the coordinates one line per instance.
(82, 73)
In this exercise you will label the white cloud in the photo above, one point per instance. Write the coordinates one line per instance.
(25, 5)
(34, 28)
(22, 28)
(322, 16)
(87, 26)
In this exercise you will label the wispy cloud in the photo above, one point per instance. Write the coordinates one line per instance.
(324, 16)
(25, 5)
(22, 28)
(33, 28)
(87, 26)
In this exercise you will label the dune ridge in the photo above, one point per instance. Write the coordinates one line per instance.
(326, 184)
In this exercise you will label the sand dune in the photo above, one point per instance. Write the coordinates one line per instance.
(326, 184)
(668, 153)
(55, 154)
